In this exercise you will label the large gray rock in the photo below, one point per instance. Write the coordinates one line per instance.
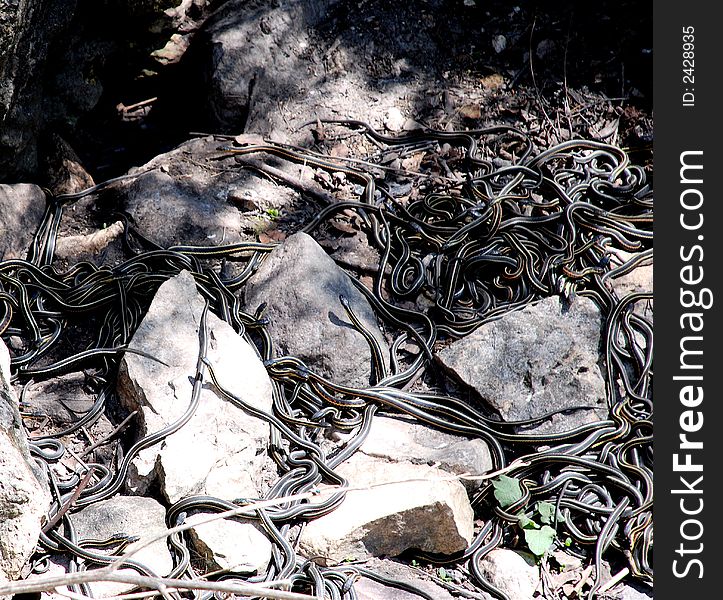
(21, 210)
(230, 545)
(512, 573)
(400, 440)
(301, 286)
(401, 506)
(543, 358)
(250, 50)
(24, 496)
(269, 68)
(221, 450)
(132, 515)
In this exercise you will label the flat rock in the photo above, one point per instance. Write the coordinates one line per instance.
(24, 496)
(22, 207)
(208, 204)
(400, 440)
(514, 574)
(369, 589)
(530, 362)
(62, 398)
(230, 545)
(220, 451)
(132, 515)
(196, 215)
(405, 506)
(301, 286)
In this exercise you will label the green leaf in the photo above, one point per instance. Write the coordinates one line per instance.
(539, 540)
(525, 522)
(547, 513)
(443, 575)
(507, 490)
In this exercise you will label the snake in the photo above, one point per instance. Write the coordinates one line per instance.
(462, 251)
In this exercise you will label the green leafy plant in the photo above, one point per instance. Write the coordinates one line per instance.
(443, 575)
(507, 490)
(273, 213)
(537, 529)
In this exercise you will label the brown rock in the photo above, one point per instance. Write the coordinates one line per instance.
(401, 506)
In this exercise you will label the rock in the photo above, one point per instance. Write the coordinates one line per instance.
(22, 207)
(24, 495)
(394, 119)
(543, 358)
(301, 286)
(230, 545)
(545, 48)
(231, 59)
(369, 589)
(202, 199)
(639, 279)
(221, 450)
(417, 512)
(63, 168)
(62, 398)
(197, 215)
(132, 515)
(27, 30)
(516, 575)
(499, 43)
(324, 65)
(400, 440)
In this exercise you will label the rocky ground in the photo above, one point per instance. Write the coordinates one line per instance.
(81, 103)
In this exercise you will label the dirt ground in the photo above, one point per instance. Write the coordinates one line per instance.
(555, 69)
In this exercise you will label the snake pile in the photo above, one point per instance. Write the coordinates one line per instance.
(487, 238)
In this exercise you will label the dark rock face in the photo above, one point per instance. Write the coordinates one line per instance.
(55, 56)
(27, 33)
